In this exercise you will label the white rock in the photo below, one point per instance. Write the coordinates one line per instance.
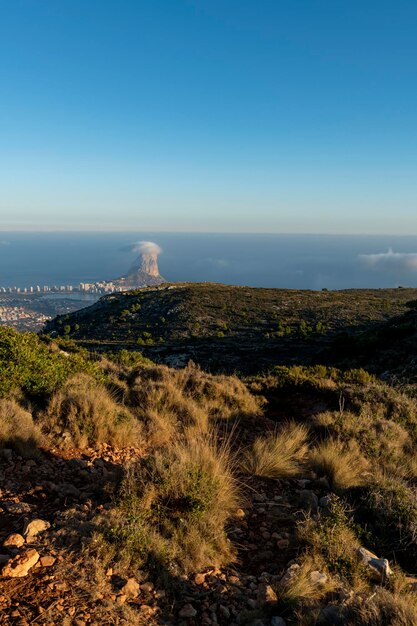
(291, 573)
(20, 565)
(14, 541)
(35, 527)
(379, 568)
(131, 588)
(265, 594)
(318, 578)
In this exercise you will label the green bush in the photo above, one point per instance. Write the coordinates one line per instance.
(36, 367)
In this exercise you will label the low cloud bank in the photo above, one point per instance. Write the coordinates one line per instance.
(391, 261)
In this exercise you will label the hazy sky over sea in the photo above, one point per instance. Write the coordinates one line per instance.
(290, 261)
(209, 115)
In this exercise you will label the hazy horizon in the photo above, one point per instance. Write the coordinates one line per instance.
(260, 260)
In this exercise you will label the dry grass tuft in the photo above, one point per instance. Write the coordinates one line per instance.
(87, 412)
(279, 455)
(380, 439)
(167, 410)
(17, 429)
(173, 401)
(331, 541)
(224, 397)
(342, 465)
(390, 506)
(173, 509)
(384, 608)
(303, 585)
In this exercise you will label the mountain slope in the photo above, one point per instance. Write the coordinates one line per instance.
(231, 328)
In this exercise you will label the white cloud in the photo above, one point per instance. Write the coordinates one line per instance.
(147, 247)
(391, 261)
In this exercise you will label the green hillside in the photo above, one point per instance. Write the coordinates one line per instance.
(232, 328)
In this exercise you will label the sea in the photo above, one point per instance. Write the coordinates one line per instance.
(260, 260)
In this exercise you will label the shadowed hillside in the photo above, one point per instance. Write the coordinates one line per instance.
(226, 328)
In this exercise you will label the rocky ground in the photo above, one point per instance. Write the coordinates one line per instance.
(48, 513)
(50, 507)
(47, 518)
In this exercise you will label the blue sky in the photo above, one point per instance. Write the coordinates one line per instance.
(209, 115)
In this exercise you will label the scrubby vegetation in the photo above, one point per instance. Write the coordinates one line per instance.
(37, 367)
(227, 328)
(171, 401)
(83, 412)
(17, 429)
(172, 509)
(317, 462)
(342, 466)
(278, 455)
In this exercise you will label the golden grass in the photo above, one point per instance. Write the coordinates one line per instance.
(224, 397)
(342, 465)
(384, 608)
(17, 429)
(173, 509)
(303, 586)
(331, 543)
(278, 455)
(379, 438)
(173, 401)
(167, 411)
(89, 414)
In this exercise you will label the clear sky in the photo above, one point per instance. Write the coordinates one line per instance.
(209, 115)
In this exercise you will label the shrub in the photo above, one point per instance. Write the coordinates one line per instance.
(331, 541)
(86, 411)
(342, 465)
(128, 358)
(390, 508)
(278, 455)
(17, 429)
(36, 367)
(173, 508)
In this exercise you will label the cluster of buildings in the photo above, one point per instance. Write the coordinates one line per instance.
(99, 287)
(94, 288)
(21, 318)
(37, 289)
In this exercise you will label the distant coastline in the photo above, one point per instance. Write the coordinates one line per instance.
(283, 261)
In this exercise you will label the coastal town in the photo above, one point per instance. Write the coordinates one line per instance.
(29, 308)
(99, 288)
(29, 311)
(21, 318)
